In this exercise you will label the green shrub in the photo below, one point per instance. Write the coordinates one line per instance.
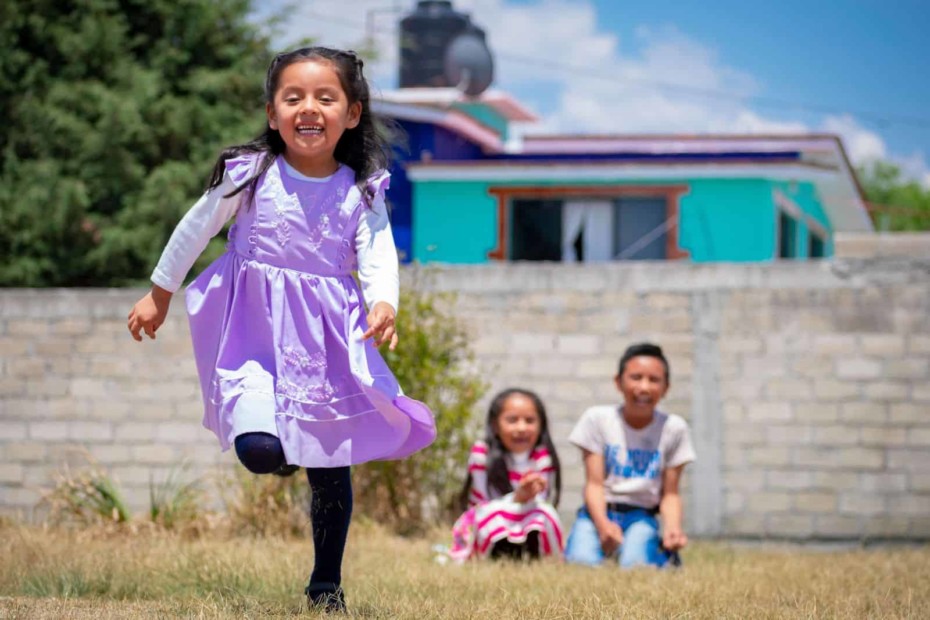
(434, 364)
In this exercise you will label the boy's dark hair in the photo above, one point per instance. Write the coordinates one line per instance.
(649, 350)
(366, 148)
(498, 478)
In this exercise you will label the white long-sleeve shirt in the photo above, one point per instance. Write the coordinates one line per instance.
(374, 242)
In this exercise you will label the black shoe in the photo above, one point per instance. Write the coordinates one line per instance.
(286, 470)
(327, 597)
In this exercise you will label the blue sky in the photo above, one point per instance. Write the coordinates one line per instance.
(852, 67)
(845, 55)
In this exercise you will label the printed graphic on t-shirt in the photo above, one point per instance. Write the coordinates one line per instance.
(637, 464)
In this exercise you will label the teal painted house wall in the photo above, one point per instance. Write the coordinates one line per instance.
(727, 220)
(453, 222)
(733, 220)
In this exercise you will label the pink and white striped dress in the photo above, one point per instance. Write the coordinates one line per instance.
(491, 518)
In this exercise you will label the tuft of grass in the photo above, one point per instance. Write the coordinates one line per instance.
(175, 502)
(104, 573)
(88, 497)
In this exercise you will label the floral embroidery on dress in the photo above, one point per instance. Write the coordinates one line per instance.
(314, 244)
(314, 393)
(299, 359)
(282, 231)
(316, 234)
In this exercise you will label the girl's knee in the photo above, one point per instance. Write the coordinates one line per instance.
(260, 453)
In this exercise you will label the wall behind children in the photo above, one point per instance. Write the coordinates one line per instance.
(807, 384)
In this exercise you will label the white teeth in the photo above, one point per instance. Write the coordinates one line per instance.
(309, 129)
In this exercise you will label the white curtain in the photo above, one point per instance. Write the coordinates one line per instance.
(593, 219)
(573, 223)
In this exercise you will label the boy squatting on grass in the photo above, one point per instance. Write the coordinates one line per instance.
(634, 456)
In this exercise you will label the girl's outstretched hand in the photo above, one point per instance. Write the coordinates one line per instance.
(531, 485)
(381, 325)
(149, 313)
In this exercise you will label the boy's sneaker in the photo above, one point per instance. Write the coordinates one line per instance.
(673, 559)
(326, 597)
(286, 470)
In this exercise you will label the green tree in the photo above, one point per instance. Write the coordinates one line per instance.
(114, 111)
(898, 204)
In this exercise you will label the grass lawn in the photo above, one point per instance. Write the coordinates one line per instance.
(56, 573)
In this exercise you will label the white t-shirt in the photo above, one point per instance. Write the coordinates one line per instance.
(633, 458)
(374, 241)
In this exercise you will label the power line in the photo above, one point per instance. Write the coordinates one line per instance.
(877, 118)
(709, 93)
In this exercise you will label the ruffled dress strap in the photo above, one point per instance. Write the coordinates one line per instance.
(378, 184)
(242, 167)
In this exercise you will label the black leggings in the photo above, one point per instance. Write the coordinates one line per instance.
(504, 549)
(330, 507)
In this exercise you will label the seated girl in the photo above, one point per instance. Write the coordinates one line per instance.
(512, 486)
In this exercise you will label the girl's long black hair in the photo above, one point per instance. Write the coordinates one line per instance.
(366, 148)
(498, 478)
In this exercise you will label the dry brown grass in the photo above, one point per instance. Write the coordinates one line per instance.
(114, 573)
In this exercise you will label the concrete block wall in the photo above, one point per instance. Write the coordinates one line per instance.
(806, 384)
(74, 386)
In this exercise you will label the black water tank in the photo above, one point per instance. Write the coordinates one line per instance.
(425, 35)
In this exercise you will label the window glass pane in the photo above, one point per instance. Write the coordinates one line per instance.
(787, 236)
(536, 230)
(816, 247)
(639, 228)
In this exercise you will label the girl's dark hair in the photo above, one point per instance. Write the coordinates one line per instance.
(649, 350)
(366, 148)
(496, 466)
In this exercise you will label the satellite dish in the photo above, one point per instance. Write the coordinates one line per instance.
(468, 64)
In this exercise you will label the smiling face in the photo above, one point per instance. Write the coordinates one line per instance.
(518, 425)
(643, 384)
(311, 111)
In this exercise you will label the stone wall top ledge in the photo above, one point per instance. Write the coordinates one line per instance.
(665, 276)
(54, 303)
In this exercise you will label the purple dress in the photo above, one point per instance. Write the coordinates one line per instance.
(277, 322)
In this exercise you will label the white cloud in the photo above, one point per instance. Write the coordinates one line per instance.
(862, 145)
(865, 146)
(747, 121)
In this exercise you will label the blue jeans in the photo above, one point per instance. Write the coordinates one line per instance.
(641, 543)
